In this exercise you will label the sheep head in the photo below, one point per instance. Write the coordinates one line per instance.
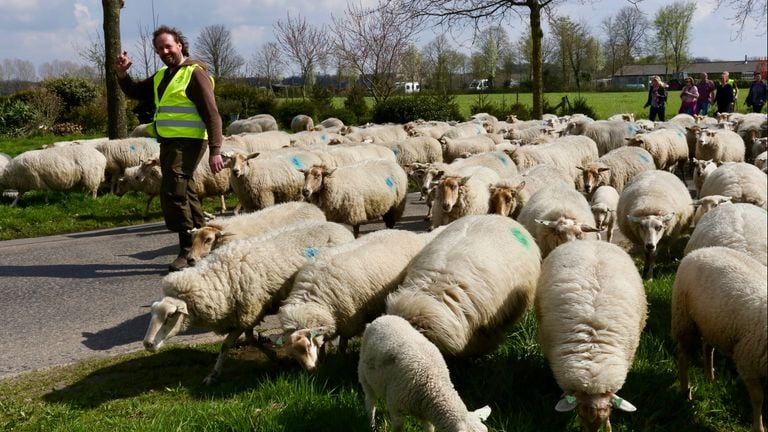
(706, 204)
(475, 419)
(168, 317)
(303, 345)
(652, 228)
(204, 240)
(566, 229)
(594, 410)
(313, 180)
(505, 199)
(452, 187)
(602, 213)
(594, 175)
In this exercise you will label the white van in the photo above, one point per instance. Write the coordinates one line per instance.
(408, 86)
(478, 84)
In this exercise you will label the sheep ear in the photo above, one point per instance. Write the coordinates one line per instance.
(602, 169)
(587, 228)
(482, 413)
(464, 180)
(634, 219)
(580, 168)
(520, 186)
(545, 222)
(566, 404)
(622, 404)
(253, 155)
(279, 340)
(668, 217)
(329, 171)
(225, 234)
(181, 307)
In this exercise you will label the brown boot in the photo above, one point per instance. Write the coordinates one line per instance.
(185, 245)
(178, 264)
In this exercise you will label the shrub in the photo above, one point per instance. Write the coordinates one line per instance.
(409, 108)
(15, 115)
(290, 109)
(73, 91)
(239, 100)
(343, 114)
(356, 104)
(321, 98)
(66, 129)
(579, 106)
(92, 117)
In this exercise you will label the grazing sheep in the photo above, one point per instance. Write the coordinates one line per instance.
(608, 135)
(56, 168)
(124, 153)
(719, 295)
(591, 309)
(719, 145)
(469, 284)
(509, 195)
(221, 231)
(616, 168)
(668, 148)
(463, 192)
(136, 179)
(419, 149)
(742, 227)
(741, 181)
(400, 365)
(603, 204)
(302, 122)
(354, 194)
(453, 148)
(232, 290)
(342, 290)
(253, 124)
(331, 124)
(701, 169)
(4, 161)
(655, 205)
(556, 215)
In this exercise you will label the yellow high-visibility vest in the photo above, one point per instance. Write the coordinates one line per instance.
(176, 116)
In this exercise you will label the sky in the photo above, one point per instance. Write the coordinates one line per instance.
(45, 30)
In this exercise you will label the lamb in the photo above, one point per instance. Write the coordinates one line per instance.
(603, 204)
(557, 215)
(608, 135)
(253, 124)
(221, 231)
(655, 205)
(135, 179)
(465, 191)
(462, 310)
(420, 149)
(742, 227)
(232, 290)
(668, 148)
(591, 309)
(124, 153)
(398, 364)
(354, 194)
(719, 145)
(345, 288)
(454, 147)
(715, 283)
(510, 195)
(702, 169)
(261, 182)
(302, 122)
(706, 204)
(57, 168)
(741, 181)
(616, 168)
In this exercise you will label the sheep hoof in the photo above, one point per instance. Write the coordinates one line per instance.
(211, 379)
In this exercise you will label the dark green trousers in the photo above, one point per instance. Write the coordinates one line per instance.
(181, 206)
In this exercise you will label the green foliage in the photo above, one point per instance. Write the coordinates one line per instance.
(357, 105)
(15, 115)
(290, 109)
(73, 91)
(93, 116)
(321, 97)
(578, 106)
(408, 108)
(237, 99)
(343, 114)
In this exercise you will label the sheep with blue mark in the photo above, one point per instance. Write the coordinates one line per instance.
(234, 288)
(608, 135)
(347, 154)
(124, 153)
(668, 147)
(418, 149)
(357, 193)
(316, 139)
(615, 168)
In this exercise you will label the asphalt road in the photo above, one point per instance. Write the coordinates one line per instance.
(71, 297)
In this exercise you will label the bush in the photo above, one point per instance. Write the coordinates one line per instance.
(290, 109)
(409, 108)
(238, 100)
(321, 98)
(15, 115)
(92, 117)
(343, 114)
(357, 105)
(73, 91)
(579, 106)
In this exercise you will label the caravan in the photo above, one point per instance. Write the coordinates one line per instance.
(478, 84)
(408, 86)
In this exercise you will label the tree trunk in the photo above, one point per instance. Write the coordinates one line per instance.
(116, 124)
(537, 35)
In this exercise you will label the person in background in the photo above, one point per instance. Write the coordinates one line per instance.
(726, 94)
(185, 120)
(657, 99)
(757, 93)
(688, 96)
(706, 89)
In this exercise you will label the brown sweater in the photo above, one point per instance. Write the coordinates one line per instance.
(199, 91)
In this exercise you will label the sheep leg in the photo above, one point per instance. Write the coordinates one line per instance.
(650, 260)
(682, 370)
(223, 204)
(610, 234)
(146, 207)
(18, 197)
(756, 397)
(370, 404)
(228, 343)
(709, 365)
(343, 342)
(356, 230)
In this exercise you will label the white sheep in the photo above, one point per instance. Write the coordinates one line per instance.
(706, 204)
(701, 169)
(253, 124)
(124, 153)
(418, 149)
(233, 289)
(497, 161)
(331, 124)
(56, 168)
(616, 168)
(591, 309)
(136, 179)
(668, 147)
(567, 153)
(5, 159)
(719, 295)
(434, 129)
(302, 122)
(465, 130)
(463, 192)
(223, 230)
(509, 195)
(316, 139)
(741, 181)
(376, 134)
(347, 154)
(608, 135)
(759, 145)
(401, 366)
(742, 227)
(603, 204)
(719, 145)
(655, 205)
(342, 290)
(453, 148)
(556, 215)
(253, 142)
(761, 161)
(469, 284)
(627, 117)
(354, 194)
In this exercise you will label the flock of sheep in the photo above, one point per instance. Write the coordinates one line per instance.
(517, 211)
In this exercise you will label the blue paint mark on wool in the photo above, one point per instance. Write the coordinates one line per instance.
(396, 151)
(324, 137)
(504, 160)
(310, 252)
(390, 183)
(296, 162)
(644, 157)
(132, 148)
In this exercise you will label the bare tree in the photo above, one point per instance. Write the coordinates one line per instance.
(745, 10)
(611, 46)
(304, 44)
(442, 62)
(268, 62)
(411, 65)
(57, 68)
(95, 53)
(214, 46)
(673, 33)
(494, 45)
(374, 41)
(631, 28)
(18, 70)
(146, 60)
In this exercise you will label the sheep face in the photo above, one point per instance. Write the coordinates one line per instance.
(594, 410)
(651, 228)
(169, 316)
(313, 180)
(706, 137)
(204, 240)
(594, 177)
(707, 203)
(452, 188)
(566, 229)
(305, 346)
(504, 200)
(602, 215)
(238, 163)
(475, 419)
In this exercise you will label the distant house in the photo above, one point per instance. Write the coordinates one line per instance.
(632, 76)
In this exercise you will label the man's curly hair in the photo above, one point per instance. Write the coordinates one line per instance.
(177, 36)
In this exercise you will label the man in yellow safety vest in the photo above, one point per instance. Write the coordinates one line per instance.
(186, 118)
